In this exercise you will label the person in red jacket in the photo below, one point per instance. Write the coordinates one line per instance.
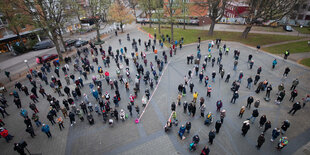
(5, 134)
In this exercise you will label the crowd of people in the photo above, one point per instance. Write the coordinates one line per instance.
(88, 88)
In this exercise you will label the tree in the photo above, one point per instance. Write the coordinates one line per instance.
(170, 10)
(46, 14)
(184, 8)
(120, 14)
(263, 10)
(16, 17)
(99, 12)
(216, 9)
(133, 4)
(75, 10)
(147, 6)
(159, 13)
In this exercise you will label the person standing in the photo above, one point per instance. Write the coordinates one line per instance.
(241, 111)
(282, 143)
(267, 126)
(260, 141)
(294, 84)
(30, 131)
(262, 121)
(223, 115)
(202, 110)
(296, 107)
(250, 80)
(60, 123)
(191, 86)
(286, 71)
(285, 126)
(211, 136)
(182, 131)
(275, 134)
(195, 96)
(249, 102)
(294, 94)
(185, 106)
(193, 109)
(218, 125)
(219, 105)
(268, 90)
(72, 118)
(254, 115)
(245, 127)
(234, 97)
(209, 89)
(205, 151)
(188, 126)
(46, 129)
(129, 109)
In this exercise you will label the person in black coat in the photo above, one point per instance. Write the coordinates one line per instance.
(27, 121)
(262, 121)
(218, 125)
(188, 126)
(245, 127)
(267, 126)
(30, 131)
(211, 136)
(296, 107)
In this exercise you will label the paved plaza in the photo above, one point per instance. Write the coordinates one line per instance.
(148, 136)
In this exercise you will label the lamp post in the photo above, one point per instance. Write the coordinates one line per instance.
(26, 61)
(300, 29)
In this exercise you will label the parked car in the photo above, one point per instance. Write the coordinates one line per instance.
(80, 43)
(287, 28)
(45, 58)
(43, 45)
(70, 42)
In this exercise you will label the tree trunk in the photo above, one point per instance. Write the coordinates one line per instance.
(98, 31)
(19, 37)
(158, 27)
(62, 39)
(211, 29)
(55, 41)
(184, 23)
(122, 27)
(171, 41)
(246, 31)
(134, 11)
(150, 21)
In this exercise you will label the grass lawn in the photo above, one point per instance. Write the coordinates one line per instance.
(296, 47)
(191, 35)
(304, 30)
(305, 62)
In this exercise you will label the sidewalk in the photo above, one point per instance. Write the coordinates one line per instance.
(285, 42)
(237, 28)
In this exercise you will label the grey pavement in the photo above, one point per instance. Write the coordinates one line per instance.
(148, 136)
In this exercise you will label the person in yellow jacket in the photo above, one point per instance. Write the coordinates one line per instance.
(195, 96)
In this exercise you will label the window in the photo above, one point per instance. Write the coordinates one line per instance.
(300, 17)
(304, 6)
(307, 17)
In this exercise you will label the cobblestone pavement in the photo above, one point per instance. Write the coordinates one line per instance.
(148, 136)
